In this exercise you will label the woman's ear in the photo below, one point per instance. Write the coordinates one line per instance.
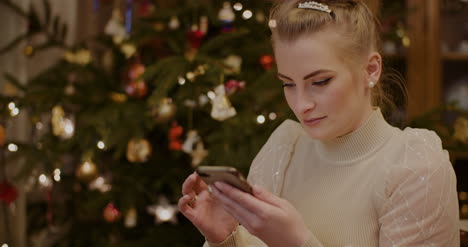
(374, 67)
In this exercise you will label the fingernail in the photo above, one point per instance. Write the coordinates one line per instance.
(219, 185)
(210, 189)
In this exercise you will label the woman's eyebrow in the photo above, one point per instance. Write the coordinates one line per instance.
(307, 76)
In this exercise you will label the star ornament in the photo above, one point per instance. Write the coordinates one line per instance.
(163, 212)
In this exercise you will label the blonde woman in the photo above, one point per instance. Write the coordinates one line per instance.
(341, 176)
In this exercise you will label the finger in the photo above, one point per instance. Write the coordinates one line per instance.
(247, 201)
(184, 207)
(190, 186)
(241, 214)
(187, 186)
(200, 184)
(266, 196)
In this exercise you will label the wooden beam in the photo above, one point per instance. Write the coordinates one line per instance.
(434, 56)
(417, 55)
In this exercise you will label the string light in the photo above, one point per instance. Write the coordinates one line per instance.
(12, 147)
(14, 112)
(272, 116)
(57, 175)
(181, 80)
(44, 180)
(261, 119)
(101, 145)
(11, 105)
(238, 6)
(4, 245)
(247, 14)
(69, 128)
(100, 184)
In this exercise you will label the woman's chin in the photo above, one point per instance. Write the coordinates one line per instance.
(317, 133)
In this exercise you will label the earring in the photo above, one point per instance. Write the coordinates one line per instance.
(371, 84)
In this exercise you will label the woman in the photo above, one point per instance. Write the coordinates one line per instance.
(342, 176)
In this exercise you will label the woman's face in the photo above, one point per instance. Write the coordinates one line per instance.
(330, 97)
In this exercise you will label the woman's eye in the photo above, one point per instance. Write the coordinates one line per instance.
(322, 83)
(288, 85)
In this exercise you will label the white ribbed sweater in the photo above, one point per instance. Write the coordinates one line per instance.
(377, 186)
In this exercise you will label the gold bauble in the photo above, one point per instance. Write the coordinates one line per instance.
(118, 97)
(464, 211)
(87, 171)
(138, 150)
(164, 111)
(29, 51)
(131, 218)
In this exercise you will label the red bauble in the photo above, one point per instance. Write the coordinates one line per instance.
(175, 133)
(111, 213)
(232, 86)
(195, 38)
(145, 8)
(175, 145)
(137, 89)
(266, 61)
(8, 193)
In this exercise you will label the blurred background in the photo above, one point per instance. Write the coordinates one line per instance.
(106, 106)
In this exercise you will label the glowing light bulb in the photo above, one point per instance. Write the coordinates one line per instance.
(11, 105)
(12, 147)
(44, 180)
(14, 112)
(181, 80)
(101, 145)
(261, 119)
(247, 14)
(238, 6)
(272, 116)
(57, 175)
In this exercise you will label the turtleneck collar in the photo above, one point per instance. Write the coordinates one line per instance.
(357, 144)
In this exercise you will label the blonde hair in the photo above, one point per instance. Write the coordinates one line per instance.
(355, 22)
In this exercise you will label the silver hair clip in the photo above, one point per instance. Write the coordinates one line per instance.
(316, 6)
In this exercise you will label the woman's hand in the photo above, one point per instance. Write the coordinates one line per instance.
(206, 213)
(272, 219)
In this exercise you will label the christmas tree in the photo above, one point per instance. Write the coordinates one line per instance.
(124, 117)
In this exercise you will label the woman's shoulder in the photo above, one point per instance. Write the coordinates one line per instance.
(286, 132)
(416, 152)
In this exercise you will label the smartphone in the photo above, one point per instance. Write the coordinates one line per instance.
(227, 174)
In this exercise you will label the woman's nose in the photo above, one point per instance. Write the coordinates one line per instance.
(304, 102)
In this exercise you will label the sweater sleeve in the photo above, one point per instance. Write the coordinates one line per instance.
(421, 205)
(265, 171)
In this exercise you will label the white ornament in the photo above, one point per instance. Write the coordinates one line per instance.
(226, 14)
(192, 138)
(115, 27)
(222, 108)
(131, 218)
(234, 62)
(174, 23)
(163, 212)
(198, 154)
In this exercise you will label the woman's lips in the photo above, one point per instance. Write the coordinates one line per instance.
(313, 121)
